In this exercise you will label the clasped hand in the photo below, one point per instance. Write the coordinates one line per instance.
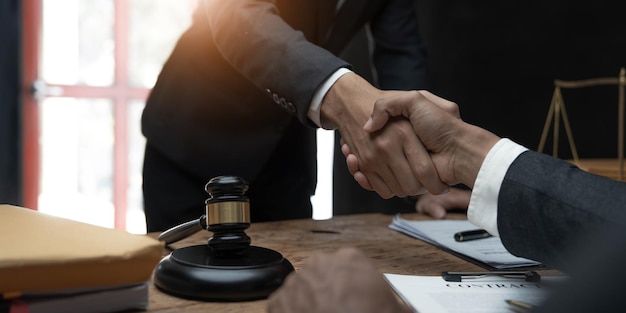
(392, 160)
(428, 146)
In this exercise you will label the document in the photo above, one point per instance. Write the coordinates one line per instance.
(488, 252)
(44, 253)
(50, 264)
(432, 294)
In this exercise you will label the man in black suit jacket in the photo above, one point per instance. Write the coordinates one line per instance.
(244, 90)
(543, 208)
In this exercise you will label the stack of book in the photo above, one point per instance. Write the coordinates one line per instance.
(51, 264)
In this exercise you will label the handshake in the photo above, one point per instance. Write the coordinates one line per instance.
(437, 151)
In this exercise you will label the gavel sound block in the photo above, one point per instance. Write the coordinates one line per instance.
(227, 268)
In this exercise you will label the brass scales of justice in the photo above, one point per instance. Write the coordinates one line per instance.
(612, 168)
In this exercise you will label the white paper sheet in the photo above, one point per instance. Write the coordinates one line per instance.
(432, 294)
(489, 251)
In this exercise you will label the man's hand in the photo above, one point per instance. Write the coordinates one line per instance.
(457, 149)
(438, 206)
(394, 160)
(345, 281)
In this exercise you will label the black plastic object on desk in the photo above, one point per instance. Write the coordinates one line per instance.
(227, 268)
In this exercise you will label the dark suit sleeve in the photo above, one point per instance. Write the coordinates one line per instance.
(547, 207)
(597, 279)
(398, 54)
(271, 54)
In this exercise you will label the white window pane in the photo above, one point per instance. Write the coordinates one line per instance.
(76, 140)
(135, 217)
(77, 42)
(154, 28)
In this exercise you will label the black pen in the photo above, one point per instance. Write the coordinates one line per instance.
(471, 235)
(529, 276)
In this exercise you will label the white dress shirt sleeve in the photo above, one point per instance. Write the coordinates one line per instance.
(483, 207)
(316, 102)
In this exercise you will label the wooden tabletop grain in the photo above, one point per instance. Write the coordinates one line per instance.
(296, 240)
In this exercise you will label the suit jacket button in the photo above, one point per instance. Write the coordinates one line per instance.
(287, 105)
(276, 99)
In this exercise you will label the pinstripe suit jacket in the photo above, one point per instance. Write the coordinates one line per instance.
(551, 211)
(547, 207)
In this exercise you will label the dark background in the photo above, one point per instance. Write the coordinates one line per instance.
(10, 23)
(498, 60)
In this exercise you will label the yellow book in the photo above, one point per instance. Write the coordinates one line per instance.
(40, 252)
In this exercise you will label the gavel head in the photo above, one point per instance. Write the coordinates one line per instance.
(227, 214)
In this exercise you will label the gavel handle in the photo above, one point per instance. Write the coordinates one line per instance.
(183, 230)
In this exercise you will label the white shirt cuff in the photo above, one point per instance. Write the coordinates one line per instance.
(316, 102)
(483, 206)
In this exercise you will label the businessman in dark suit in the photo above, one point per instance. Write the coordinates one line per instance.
(543, 208)
(245, 89)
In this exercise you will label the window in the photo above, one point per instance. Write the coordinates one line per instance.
(90, 65)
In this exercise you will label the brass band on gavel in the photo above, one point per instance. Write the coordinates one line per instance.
(227, 212)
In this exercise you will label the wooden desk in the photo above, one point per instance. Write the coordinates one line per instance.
(296, 240)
